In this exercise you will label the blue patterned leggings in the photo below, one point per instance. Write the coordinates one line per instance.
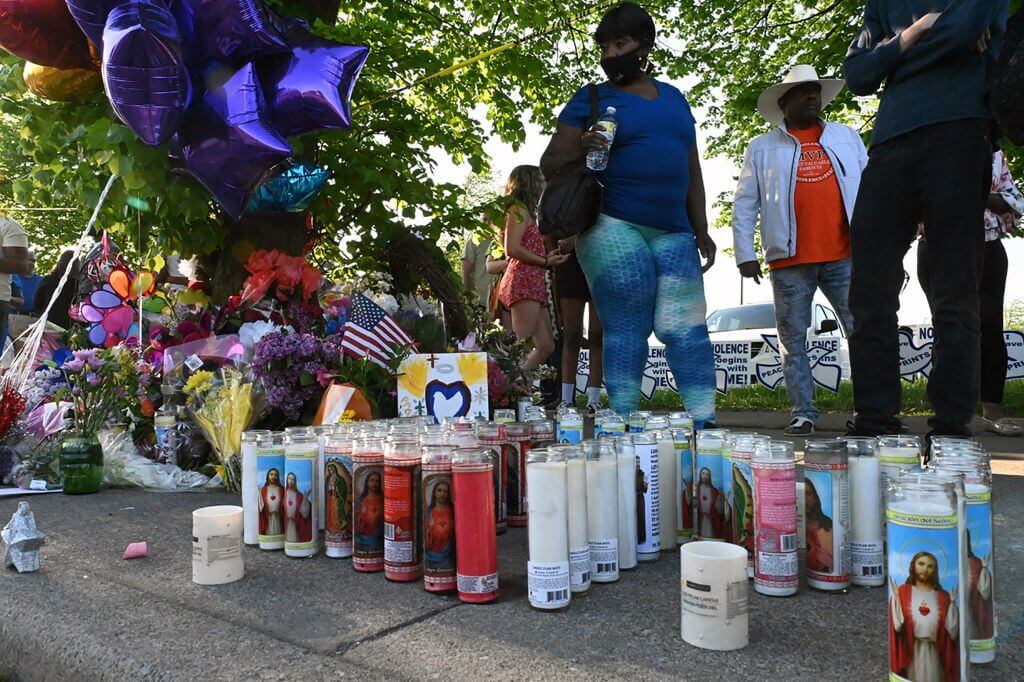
(643, 280)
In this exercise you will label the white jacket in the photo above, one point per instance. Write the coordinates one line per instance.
(767, 185)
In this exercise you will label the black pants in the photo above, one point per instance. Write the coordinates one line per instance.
(991, 287)
(940, 174)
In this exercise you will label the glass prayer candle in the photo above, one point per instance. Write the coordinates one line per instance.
(648, 504)
(476, 544)
(504, 416)
(626, 468)
(579, 539)
(637, 421)
(668, 474)
(740, 497)
(682, 439)
(492, 435)
(270, 478)
(403, 505)
(338, 494)
(776, 570)
(612, 425)
(866, 535)
(542, 433)
(708, 495)
(548, 567)
(827, 514)
(569, 429)
(519, 437)
(603, 511)
(896, 453)
(251, 486)
(368, 502)
(438, 519)
(301, 494)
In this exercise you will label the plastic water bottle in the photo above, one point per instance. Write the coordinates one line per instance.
(597, 160)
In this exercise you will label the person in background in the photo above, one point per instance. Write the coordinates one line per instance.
(496, 267)
(1004, 207)
(475, 277)
(799, 181)
(27, 285)
(59, 313)
(523, 289)
(15, 259)
(573, 295)
(931, 157)
(642, 257)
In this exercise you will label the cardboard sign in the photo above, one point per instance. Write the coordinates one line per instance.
(443, 385)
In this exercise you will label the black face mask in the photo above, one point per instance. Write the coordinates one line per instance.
(624, 68)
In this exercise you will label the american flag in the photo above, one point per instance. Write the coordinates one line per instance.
(370, 332)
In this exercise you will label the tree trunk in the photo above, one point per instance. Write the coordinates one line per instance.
(283, 231)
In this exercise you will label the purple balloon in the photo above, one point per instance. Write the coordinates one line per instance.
(144, 70)
(234, 31)
(228, 143)
(310, 88)
(91, 16)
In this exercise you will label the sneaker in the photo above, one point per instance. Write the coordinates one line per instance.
(800, 426)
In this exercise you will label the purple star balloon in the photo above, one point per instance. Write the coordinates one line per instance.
(309, 89)
(144, 71)
(235, 31)
(228, 143)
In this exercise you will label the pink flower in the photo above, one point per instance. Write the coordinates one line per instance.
(324, 377)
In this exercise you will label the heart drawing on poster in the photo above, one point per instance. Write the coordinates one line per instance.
(448, 400)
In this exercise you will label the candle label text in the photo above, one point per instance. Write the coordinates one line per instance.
(648, 489)
(548, 584)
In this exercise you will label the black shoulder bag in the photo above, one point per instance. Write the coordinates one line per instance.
(572, 198)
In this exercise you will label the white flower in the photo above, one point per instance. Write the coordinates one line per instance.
(250, 333)
(387, 302)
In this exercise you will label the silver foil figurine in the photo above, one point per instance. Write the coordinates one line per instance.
(22, 540)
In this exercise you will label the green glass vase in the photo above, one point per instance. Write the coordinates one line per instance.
(81, 465)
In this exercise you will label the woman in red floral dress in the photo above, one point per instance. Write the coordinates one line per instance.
(523, 290)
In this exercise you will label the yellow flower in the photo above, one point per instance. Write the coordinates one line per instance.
(199, 383)
(413, 376)
(473, 368)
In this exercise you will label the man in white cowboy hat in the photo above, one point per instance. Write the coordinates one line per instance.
(801, 179)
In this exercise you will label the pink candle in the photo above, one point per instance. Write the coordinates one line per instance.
(476, 547)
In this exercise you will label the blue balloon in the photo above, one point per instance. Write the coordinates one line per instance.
(144, 70)
(291, 191)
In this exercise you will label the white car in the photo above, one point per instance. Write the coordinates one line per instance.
(754, 321)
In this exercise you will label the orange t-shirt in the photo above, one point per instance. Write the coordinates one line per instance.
(822, 231)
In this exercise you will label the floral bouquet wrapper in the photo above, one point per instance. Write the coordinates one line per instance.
(224, 404)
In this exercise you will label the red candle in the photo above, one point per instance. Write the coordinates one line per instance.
(438, 519)
(368, 503)
(476, 547)
(403, 535)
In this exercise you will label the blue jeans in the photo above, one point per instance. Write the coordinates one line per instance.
(794, 289)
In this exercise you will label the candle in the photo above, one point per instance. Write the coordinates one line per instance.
(476, 544)
(866, 546)
(801, 515)
(251, 486)
(626, 468)
(708, 497)
(338, 494)
(217, 545)
(403, 539)
(438, 519)
(302, 490)
(321, 432)
(270, 496)
(368, 502)
(927, 641)
(579, 539)
(776, 570)
(637, 421)
(569, 427)
(542, 433)
(603, 511)
(493, 436)
(519, 443)
(740, 501)
(896, 453)
(682, 439)
(713, 580)
(522, 407)
(668, 465)
(504, 416)
(611, 425)
(648, 496)
(827, 514)
(548, 530)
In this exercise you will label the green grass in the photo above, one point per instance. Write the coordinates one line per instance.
(759, 398)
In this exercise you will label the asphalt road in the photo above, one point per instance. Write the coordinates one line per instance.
(89, 614)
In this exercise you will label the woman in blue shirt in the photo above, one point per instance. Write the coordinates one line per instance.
(642, 257)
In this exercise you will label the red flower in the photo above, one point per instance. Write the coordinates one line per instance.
(289, 274)
(147, 408)
(311, 279)
(261, 260)
(255, 288)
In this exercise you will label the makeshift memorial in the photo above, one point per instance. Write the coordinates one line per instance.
(338, 494)
(866, 534)
(107, 288)
(627, 482)
(579, 542)
(548, 567)
(713, 576)
(22, 541)
(776, 571)
(603, 510)
(439, 556)
(217, 545)
(476, 546)
(827, 521)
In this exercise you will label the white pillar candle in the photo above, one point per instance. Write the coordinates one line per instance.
(301, 494)
(668, 465)
(866, 544)
(579, 539)
(713, 582)
(548, 530)
(603, 512)
(250, 487)
(217, 545)
(626, 468)
(648, 494)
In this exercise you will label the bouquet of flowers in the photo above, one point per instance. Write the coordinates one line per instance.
(103, 385)
(296, 368)
(224, 404)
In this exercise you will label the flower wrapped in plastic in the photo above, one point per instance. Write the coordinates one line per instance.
(224, 403)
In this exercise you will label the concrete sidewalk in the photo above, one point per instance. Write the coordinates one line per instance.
(89, 614)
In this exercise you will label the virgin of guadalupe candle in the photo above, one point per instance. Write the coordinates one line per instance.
(776, 571)
(548, 567)
(368, 502)
(476, 543)
(251, 486)
(270, 497)
(217, 545)
(648, 496)
(980, 568)
(338, 495)
(301, 492)
(827, 514)
(603, 511)
(897, 453)
(438, 519)
(708, 495)
(579, 539)
(492, 436)
(682, 439)
(740, 502)
(626, 468)
(403, 504)
(570, 426)
(926, 581)
(519, 443)
(866, 546)
(668, 465)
